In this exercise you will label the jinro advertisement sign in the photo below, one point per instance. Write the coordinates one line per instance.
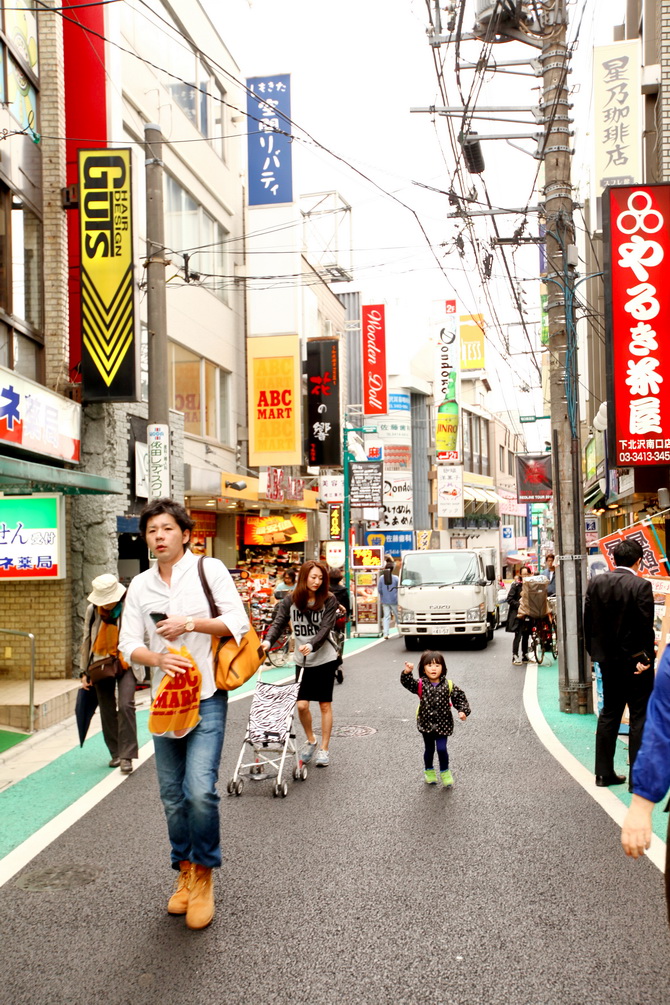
(109, 356)
(275, 436)
(373, 328)
(447, 387)
(32, 537)
(636, 306)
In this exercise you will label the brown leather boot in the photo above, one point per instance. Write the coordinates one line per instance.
(178, 902)
(201, 898)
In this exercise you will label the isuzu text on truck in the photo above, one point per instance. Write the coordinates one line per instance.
(447, 593)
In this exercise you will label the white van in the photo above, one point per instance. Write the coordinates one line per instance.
(447, 593)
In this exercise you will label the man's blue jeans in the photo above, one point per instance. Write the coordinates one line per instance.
(188, 771)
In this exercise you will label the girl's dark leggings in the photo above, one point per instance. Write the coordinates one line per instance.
(431, 741)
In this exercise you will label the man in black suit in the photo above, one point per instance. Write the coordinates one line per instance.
(619, 635)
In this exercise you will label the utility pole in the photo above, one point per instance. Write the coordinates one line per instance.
(575, 691)
(158, 429)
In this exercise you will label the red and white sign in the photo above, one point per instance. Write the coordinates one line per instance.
(39, 420)
(373, 326)
(639, 300)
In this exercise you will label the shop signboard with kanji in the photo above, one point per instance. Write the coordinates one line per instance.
(324, 434)
(366, 483)
(366, 557)
(652, 564)
(373, 330)
(396, 512)
(32, 537)
(637, 287)
(335, 522)
(36, 419)
(283, 528)
(269, 152)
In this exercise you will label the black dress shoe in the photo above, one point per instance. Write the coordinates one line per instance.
(604, 780)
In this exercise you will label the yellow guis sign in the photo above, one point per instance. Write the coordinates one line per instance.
(109, 370)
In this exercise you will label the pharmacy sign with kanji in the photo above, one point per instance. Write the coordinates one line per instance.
(637, 241)
(32, 537)
(36, 419)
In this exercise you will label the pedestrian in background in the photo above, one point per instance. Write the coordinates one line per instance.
(341, 594)
(116, 694)
(168, 605)
(286, 585)
(619, 636)
(311, 610)
(651, 773)
(388, 595)
(434, 719)
(549, 572)
(516, 623)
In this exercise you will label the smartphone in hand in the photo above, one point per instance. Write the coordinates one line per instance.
(156, 616)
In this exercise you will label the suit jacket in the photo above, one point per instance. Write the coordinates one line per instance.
(619, 617)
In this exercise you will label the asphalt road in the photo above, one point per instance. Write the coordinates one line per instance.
(364, 885)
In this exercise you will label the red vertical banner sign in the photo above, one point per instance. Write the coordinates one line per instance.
(373, 327)
(637, 221)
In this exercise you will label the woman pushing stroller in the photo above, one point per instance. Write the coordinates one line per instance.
(312, 611)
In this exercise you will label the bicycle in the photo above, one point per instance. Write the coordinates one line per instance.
(543, 638)
(279, 652)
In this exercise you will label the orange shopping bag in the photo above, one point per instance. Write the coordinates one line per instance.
(175, 710)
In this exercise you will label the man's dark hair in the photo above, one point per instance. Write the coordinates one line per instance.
(627, 553)
(169, 506)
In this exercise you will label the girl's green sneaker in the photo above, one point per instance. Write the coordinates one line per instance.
(447, 778)
(430, 777)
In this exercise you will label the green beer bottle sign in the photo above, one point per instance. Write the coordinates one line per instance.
(446, 433)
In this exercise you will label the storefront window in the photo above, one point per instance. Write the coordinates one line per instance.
(27, 357)
(26, 265)
(190, 229)
(485, 446)
(224, 406)
(210, 400)
(185, 387)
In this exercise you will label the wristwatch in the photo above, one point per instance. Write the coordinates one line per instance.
(189, 624)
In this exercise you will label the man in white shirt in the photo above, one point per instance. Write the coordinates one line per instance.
(167, 605)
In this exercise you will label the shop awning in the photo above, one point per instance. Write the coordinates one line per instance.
(29, 476)
(594, 497)
(475, 495)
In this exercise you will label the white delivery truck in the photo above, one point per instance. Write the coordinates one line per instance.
(450, 592)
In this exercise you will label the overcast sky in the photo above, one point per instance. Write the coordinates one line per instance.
(357, 68)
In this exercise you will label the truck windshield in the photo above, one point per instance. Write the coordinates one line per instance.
(436, 568)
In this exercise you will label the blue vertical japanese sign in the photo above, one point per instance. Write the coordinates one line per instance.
(268, 145)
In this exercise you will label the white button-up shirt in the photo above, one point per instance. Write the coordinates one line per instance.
(184, 596)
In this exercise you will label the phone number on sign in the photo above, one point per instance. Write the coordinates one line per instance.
(628, 457)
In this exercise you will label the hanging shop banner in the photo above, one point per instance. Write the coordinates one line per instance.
(652, 557)
(32, 537)
(447, 387)
(38, 420)
(396, 512)
(269, 154)
(109, 348)
(373, 329)
(158, 447)
(637, 300)
(274, 395)
(472, 342)
(450, 500)
(335, 522)
(533, 478)
(281, 529)
(366, 557)
(324, 433)
(366, 483)
(617, 108)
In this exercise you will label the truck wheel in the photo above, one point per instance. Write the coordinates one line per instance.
(411, 643)
(491, 629)
(480, 641)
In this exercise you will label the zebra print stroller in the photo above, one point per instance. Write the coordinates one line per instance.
(271, 738)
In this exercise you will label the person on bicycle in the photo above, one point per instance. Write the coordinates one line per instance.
(518, 624)
(312, 611)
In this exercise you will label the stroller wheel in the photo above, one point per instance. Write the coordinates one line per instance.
(296, 773)
(239, 786)
(231, 786)
(284, 789)
(275, 790)
(303, 773)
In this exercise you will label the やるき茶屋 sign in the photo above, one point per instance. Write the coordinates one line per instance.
(637, 219)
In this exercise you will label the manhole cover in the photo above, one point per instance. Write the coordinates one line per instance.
(353, 731)
(57, 877)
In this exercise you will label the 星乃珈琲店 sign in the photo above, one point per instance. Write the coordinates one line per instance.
(109, 352)
(636, 302)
